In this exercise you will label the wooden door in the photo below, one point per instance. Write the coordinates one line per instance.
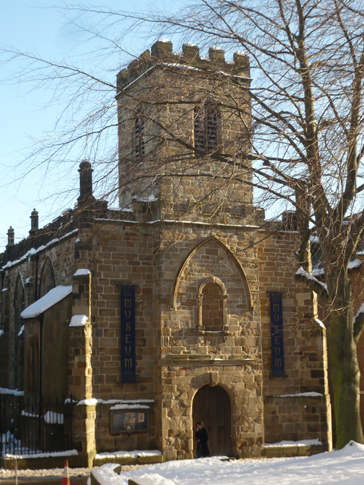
(212, 406)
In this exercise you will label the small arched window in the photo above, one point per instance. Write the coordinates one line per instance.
(212, 298)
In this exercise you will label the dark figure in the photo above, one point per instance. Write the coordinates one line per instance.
(202, 438)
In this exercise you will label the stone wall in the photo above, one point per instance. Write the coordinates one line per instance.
(304, 348)
(295, 417)
(122, 253)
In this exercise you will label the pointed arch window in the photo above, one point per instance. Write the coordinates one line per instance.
(47, 279)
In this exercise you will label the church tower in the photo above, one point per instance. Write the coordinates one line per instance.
(184, 134)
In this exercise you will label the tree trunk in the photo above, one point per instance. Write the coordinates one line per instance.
(345, 373)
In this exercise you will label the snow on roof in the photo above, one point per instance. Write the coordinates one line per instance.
(82, 272)
(47, 301)
(309, 276)
(78, 321)
(196, 223)
(356, 263)
(33, 251)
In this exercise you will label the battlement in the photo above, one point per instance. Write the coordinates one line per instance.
(162, 54)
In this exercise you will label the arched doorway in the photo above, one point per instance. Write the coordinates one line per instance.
(212, 406)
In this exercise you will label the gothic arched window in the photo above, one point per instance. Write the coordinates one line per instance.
(47, 280)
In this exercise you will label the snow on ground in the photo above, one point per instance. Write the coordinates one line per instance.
(345, 466)
(341, 467)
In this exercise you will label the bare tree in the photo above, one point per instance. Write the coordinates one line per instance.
(303, 144)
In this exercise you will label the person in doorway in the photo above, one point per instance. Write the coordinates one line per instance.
(202, 438)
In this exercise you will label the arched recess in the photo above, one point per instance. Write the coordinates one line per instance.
(47, 279)
(212, 406)
(19, 305)
(212, 302)
(232, 257)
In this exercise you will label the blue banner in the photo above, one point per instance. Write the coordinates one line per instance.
(127, 314)
(276, 318)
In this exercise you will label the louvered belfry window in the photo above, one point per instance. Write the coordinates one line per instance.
(206, 128)
(139, 136)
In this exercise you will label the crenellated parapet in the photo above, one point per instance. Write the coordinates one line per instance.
(162, 54)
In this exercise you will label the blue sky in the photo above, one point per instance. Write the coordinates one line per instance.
(27, 113)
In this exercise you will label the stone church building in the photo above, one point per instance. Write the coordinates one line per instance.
(179, 305)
